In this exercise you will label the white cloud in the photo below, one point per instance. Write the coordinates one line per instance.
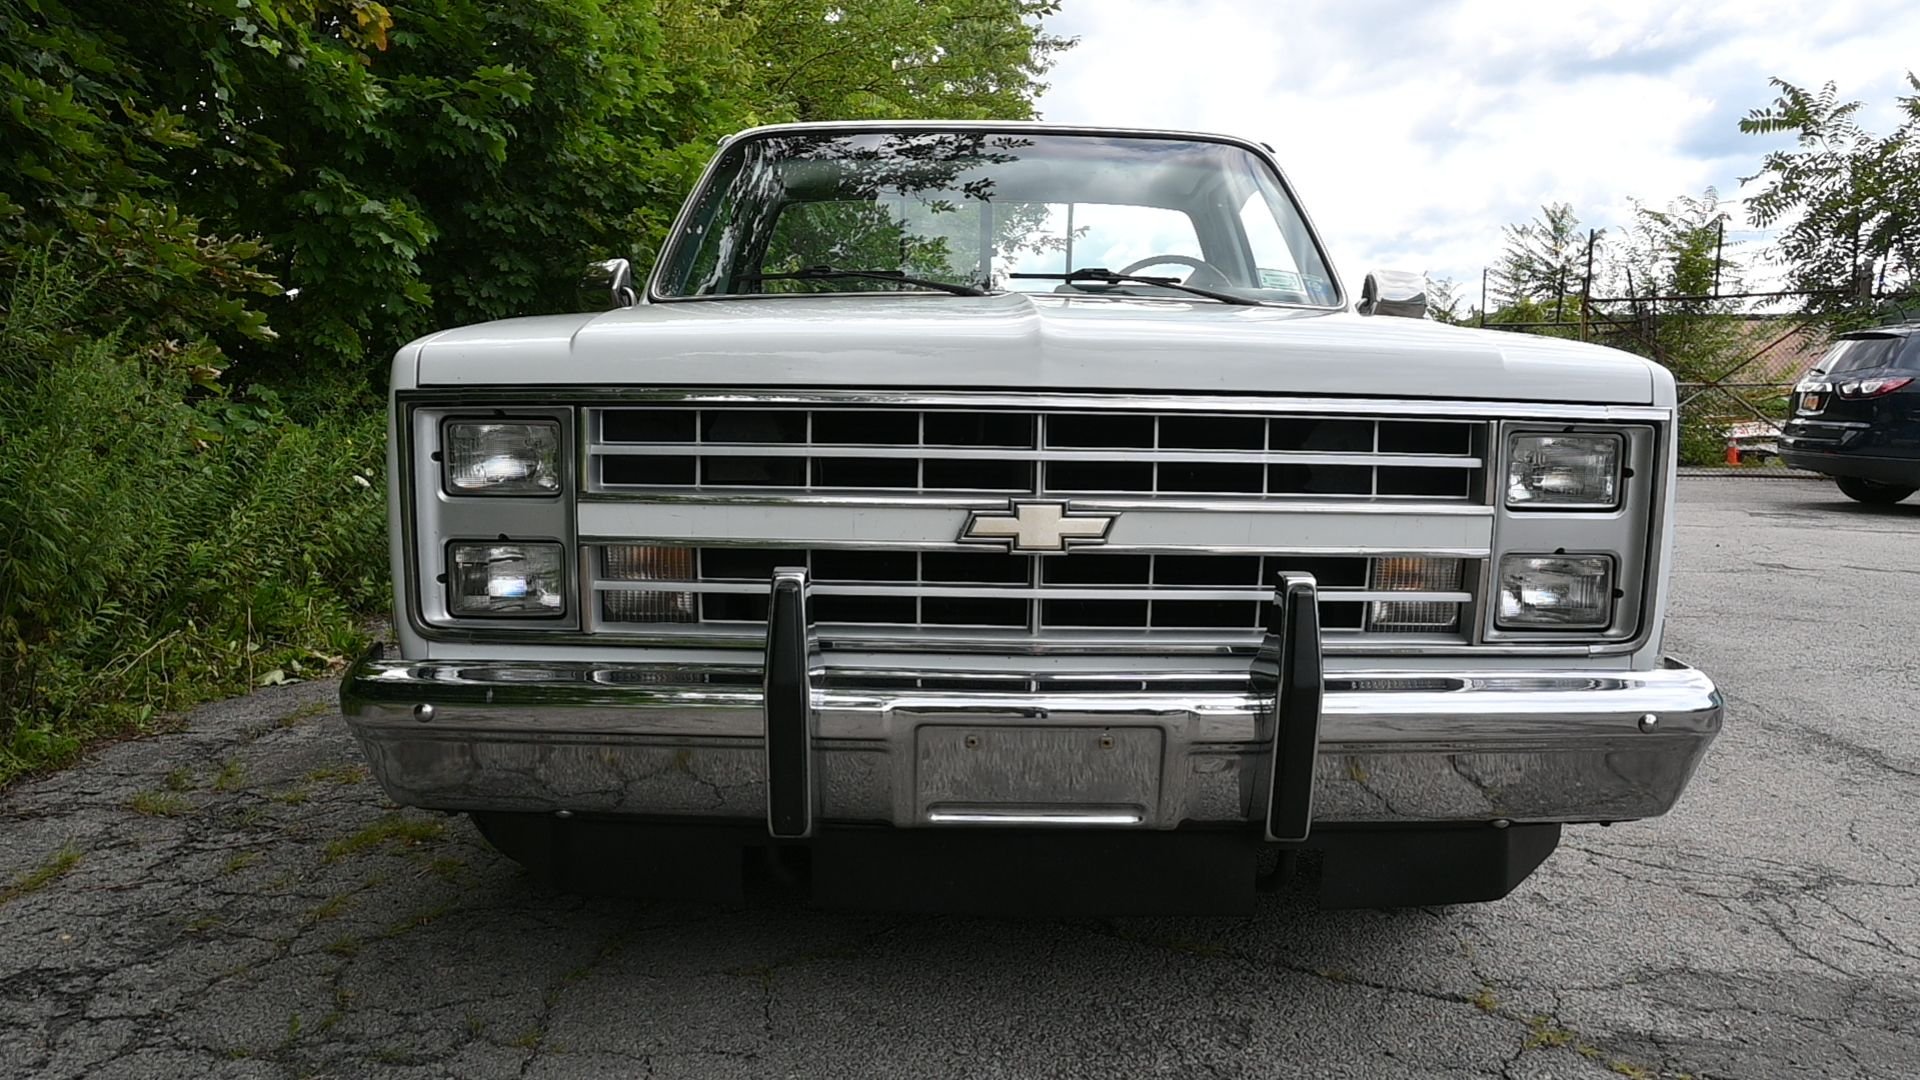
(1414, 132)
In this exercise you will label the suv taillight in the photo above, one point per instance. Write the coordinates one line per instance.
(1866, 388)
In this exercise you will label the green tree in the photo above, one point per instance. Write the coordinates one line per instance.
(894, 59)
(1543, 262)
(88, 169)
(1846, 200)
(1678, 253)
(431, 163)
(1443, 302)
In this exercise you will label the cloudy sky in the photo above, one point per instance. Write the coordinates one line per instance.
(1413, 132)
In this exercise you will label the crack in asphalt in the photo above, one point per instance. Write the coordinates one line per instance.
(1824, 740)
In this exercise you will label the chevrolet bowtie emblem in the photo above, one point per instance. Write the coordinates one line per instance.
(1036, 526)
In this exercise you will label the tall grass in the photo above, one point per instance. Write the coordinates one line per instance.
(161, 544)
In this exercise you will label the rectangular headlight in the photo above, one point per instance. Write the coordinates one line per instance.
(490, 457)
(488, 579)
(1555, 592)
(1564, 472)
(632, 562)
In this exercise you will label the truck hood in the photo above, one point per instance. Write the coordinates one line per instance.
(1012, 341)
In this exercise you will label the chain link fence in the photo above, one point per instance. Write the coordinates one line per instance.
(1737, 357)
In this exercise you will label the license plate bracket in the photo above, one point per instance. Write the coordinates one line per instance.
(1042, 775)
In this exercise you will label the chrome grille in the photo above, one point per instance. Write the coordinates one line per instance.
(690, 503)
(874, 591)
(741, 447)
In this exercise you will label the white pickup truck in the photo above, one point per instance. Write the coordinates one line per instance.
(1020, 517)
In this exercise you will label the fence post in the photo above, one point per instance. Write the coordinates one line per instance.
(1719, 245)
(1586, 284)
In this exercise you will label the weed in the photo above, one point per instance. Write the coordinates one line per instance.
(529, 1039)
(1484, 1000)
(179, 780)
(238, 861)
(230, 777)
(347, 947)
(56, 866)
(446, 867)
(406, 831)
(203, 924)
(417, 919)
(1546, 1033)
(338, 774)
(291, 796)
(305, 712)
(158, 804)
(331, 906)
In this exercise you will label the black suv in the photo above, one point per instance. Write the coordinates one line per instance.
(1856, 416)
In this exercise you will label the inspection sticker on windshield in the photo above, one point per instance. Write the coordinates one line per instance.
(1279, 279)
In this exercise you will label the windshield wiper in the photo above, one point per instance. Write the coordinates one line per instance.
(1107, 277)
(820, 273)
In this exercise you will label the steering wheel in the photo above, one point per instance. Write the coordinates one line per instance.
(1205, 275)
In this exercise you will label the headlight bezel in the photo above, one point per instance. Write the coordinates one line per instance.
(1631, 534)
(433, 519)
(1511, 457)
(559, 465)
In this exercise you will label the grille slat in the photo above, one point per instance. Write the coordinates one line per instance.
(1010, 591)
(1091, 454)
(1076, 453)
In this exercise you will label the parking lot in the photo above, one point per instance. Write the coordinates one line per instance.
(236, 900)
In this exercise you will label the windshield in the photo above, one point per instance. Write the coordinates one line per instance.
(843, 212)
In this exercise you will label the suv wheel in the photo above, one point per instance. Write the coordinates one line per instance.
(1872, 491)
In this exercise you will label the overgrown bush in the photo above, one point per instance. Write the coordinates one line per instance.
(161, 543)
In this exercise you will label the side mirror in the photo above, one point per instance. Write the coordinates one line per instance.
(1394, 292)
(606, 285)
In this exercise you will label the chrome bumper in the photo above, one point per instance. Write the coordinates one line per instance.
(1097, 748)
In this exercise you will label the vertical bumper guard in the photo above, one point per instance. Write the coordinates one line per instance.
(1289, 658)
(791, 648)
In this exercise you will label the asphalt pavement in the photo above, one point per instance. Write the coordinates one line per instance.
(237, 900)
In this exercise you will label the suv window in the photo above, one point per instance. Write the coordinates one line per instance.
(1872, 351)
